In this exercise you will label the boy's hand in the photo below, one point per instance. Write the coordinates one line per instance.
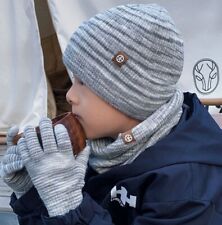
(12, 168)
(56, 173)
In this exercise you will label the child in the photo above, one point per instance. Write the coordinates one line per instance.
(155, 153)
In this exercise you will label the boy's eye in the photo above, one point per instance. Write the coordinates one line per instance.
(81, 83)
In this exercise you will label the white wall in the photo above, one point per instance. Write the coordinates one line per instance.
(23, 90)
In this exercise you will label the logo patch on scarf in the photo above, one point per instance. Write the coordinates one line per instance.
(128, 137)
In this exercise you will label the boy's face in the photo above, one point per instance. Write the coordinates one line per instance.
(98, 118)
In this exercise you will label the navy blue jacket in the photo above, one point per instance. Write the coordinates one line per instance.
(177, 181)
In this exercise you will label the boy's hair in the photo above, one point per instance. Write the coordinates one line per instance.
(130, 55)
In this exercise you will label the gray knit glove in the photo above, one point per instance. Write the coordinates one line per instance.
(56, 173)
(12, 169)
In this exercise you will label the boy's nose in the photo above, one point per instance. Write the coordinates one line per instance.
(71, 97)
(68, 99)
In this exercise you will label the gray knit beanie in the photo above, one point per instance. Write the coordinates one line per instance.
(131, 56)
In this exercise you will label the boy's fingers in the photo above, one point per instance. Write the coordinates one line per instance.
(12, 150)
(31, 142)
(23, 150)
(9, 168)
(62, 138)
(83, 156)
(11, 134)
(47, 135)
(10, 158)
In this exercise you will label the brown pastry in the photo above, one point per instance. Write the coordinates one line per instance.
(74, 128)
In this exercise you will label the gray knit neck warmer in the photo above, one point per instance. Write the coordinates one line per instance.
(108, 153)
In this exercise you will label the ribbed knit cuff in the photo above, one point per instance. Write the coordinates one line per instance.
(26, 184)
(63, 203)
(28, 204)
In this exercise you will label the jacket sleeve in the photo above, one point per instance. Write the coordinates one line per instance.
(31, 211)
(29, 208)
(187, 212)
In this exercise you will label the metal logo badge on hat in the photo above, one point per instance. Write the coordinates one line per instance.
(120, 58)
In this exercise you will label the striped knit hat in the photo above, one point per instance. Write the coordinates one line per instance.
(130, 55)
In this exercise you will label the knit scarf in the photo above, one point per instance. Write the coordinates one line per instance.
(107, 153)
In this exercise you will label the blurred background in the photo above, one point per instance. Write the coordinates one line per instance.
(34, 35)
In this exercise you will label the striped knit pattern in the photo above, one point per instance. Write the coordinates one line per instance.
(148, 36)
(12, 168)
(57, 175)
(107, 153)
